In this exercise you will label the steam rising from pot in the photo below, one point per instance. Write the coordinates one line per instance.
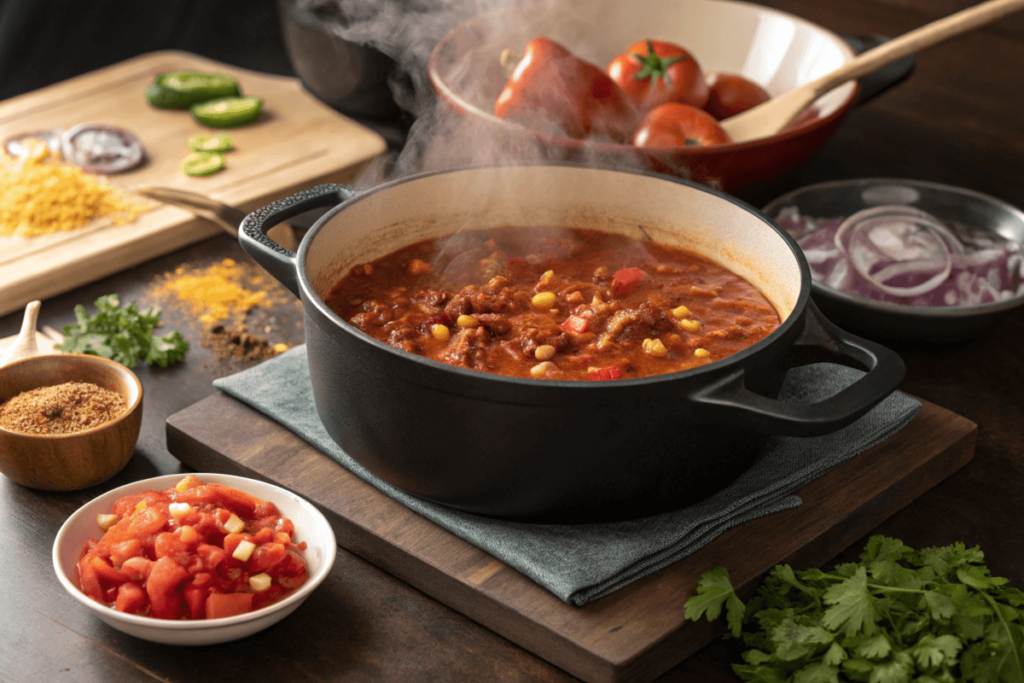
(407, 31)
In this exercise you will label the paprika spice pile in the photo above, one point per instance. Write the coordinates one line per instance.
(226, 298)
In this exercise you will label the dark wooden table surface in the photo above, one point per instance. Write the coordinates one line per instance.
(957, 120)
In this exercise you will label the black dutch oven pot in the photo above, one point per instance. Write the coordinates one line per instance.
(565, 451)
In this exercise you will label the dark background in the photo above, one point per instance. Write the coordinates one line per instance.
(46, 42)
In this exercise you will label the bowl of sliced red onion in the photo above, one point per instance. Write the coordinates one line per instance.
(907, 259)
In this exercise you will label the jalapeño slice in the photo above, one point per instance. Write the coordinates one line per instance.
(219, 142)
(181, 89)
(202, 163)
(227, 112)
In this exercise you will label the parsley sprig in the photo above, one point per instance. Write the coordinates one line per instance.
(123, 334)
(899, 615)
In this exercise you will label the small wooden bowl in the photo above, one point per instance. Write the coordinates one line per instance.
(68, 462)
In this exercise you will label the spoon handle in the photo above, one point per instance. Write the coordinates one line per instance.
(916, 40)
(777, 113)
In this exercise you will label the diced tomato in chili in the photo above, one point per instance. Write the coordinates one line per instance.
(575, 324)
(152, 564)
(625, 278)
(600, 374)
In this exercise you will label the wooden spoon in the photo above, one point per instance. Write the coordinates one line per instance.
(25, 345)
(777, 113)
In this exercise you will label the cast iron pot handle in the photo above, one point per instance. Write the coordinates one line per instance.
(278, 261)
(820, 341)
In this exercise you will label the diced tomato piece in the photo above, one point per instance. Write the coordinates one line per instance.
(291, 571)
(281, 537)
(131, 598)
(189, 481)
(107, 574)
(189, 536)
(169, 544)
(137, 568)
(625, 278)
(87, 547)
(242, 504)
(146, 522)
(165, 598)
(266, 509)
(202, 580)
(264, 535)
(88, 579)
(266, 556)
(195, 598)
(124, 551)
(601, 374)
(212, 556)
(231, 541)
(285, 525)
(575, 324)
(220, 605)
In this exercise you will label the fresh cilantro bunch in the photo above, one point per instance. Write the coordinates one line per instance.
(123, 334)
(931, 616)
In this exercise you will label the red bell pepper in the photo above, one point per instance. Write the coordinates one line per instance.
(575, 324)
(554, 91)
(625, 278)
(600, 374)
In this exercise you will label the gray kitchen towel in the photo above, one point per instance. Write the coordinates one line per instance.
(582, 562)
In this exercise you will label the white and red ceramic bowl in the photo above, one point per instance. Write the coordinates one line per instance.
(778, 50)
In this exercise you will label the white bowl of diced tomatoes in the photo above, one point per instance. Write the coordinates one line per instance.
(181, 560)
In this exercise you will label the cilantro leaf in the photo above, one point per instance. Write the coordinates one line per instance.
(122, 334)
(818, 672)
(932, 652)
(713, 591)
(899, 615)
(853, 607)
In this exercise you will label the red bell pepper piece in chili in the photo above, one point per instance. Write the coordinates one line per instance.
(626, 278)
(552, 90)
(575, 324)
(601, 374)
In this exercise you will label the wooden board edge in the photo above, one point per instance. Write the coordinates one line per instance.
(677, 647)
(539, 639)
(418, 573)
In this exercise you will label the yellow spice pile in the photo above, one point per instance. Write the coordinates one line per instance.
(212, 293)
(39, 195)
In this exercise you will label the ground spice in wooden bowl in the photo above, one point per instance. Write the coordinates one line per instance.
(62, 409)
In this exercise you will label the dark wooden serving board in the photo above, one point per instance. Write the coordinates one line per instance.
(634, 634)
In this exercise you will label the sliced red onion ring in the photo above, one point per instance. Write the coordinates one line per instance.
(933, 265)
(884, 243)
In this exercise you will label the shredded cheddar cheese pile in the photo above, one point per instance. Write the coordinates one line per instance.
(39, 195)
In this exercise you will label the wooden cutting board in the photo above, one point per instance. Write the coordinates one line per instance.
(296, 143)
(634, 634)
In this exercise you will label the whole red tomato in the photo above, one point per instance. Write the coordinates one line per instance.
(679, 125)
(554, 91)
(732, 94)
(654, 72)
